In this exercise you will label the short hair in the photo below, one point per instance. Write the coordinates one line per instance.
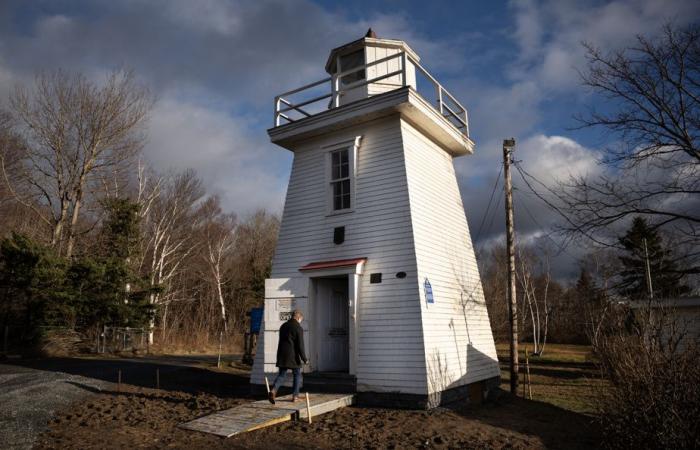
(297, 314)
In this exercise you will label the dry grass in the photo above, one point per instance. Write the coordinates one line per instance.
(197, 344)
(564, 376)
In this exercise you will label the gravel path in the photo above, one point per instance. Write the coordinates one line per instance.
(29, 398)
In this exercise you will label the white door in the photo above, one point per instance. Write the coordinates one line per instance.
(332, 326)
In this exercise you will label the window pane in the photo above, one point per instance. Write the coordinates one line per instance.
(337, 203)
(346, 193)
(343, 156)
(350, 61)
(335, 165)
(341, 194)
(336, 173)
(344, 170)
(337, 195)
(337, 189)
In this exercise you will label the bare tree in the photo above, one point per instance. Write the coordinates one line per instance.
(218, 240)
(535, 297)
(77, 131)
(218, 235)
(169, 220)
(12, 148)
(652, 109)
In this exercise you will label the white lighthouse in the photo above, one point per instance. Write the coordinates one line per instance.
(374, 245)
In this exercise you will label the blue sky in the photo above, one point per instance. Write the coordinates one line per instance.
(215, 66)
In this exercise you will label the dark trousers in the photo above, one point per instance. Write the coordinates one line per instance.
(283, 374)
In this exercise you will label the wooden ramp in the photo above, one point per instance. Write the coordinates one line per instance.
(262, 414)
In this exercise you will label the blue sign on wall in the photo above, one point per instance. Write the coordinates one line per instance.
(256, 315)
(428, 292)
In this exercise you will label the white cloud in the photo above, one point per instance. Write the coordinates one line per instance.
(239, 166)
(549, 33)
(555, 158)
(206, 15)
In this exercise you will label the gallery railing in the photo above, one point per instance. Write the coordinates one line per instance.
(286, 107)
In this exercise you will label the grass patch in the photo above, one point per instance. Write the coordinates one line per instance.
(564, 376)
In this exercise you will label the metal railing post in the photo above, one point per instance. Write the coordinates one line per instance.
(336, 88)
(278, 106)
(403, 69)
(466, 122)
(439, 90)
(334, 91)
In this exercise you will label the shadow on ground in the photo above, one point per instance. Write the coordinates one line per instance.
(175, 373)
(555, 427)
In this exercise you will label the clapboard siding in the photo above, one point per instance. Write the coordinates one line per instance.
(390, 341)
(457, 333)
(408, 216)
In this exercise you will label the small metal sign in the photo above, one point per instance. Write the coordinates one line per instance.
(428, 292)
(285, 304)
(286, 315)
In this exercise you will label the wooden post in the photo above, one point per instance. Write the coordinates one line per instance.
(527, 369)
(267, 385)
(158, 379)
(308, 408)
(218, 360)
(508, 146)
(524, 377)
(119, 380)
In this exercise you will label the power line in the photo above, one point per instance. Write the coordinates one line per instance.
(493, 192)
(561, 247)
(525, 175)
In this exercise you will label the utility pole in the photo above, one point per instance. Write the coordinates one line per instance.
(508, 147)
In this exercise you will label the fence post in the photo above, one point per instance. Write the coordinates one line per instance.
(6, 336)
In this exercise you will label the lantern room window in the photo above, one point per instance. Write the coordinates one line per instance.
(351, 61)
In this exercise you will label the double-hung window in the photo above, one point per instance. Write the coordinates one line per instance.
(340, 179)
(340, 175)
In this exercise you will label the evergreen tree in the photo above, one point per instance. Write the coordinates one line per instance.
(119, 291)
(39, 288)
(665, 276)
(586, 288)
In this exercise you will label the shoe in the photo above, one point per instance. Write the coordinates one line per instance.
(271, 397)
(295, 398)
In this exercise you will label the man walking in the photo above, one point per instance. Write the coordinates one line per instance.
(290, 354)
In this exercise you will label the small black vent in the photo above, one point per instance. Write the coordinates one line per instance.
(401, 275)
(375, 278)
(338, 235)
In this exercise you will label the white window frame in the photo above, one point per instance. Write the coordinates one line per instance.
(351, 145)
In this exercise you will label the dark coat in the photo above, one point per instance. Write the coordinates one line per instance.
(290, 350)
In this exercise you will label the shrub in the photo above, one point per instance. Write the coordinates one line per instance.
(654, 401)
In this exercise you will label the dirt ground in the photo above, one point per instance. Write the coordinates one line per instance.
(140, 416)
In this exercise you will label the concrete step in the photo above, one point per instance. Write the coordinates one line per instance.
(330, 382)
